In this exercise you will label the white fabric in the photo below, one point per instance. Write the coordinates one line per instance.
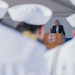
(20, 55)
(73, 2)
(71, 20)
(34, 14)
(66, 59)
(51, 57)
(3, 8)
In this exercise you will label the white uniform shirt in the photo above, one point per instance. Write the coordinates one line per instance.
(66, 59)
(51, 58)
(20, 55)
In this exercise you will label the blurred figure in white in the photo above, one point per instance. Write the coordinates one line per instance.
(51, 59)
(65, 64)
(73, 33)
(71, 20)
(31, 21)
(30, 52)
(73, 2)
(60, 60)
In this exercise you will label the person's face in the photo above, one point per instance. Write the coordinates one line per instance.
(42, 32)
(57, 23)
(73, 33)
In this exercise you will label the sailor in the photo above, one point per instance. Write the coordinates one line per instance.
(32, 18)
(51, 59)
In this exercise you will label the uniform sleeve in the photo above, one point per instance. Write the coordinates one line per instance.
(52, 29)
(63, 30)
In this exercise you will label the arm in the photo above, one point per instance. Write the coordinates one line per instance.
(63, 31)
(52, 30)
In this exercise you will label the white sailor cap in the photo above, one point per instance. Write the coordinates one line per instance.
(3, 8)
(73, 2)
(34, 14)
(71, 20)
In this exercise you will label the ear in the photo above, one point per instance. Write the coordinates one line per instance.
(73, 32)
(41, 30)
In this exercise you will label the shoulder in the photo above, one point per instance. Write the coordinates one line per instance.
(9, 32)
(60, 25)
(14, 36)
(53, 26)
(39, 45)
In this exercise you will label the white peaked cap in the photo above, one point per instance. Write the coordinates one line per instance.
(30, 13)
(71, 20)
(3, 8)
(73, 2)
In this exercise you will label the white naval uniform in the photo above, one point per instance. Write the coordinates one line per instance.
(20, 55)
(51, 58)
(66, 59)
(61, 59)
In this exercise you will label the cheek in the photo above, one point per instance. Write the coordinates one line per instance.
(73, 33)
(43, 31)
(41, 35)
